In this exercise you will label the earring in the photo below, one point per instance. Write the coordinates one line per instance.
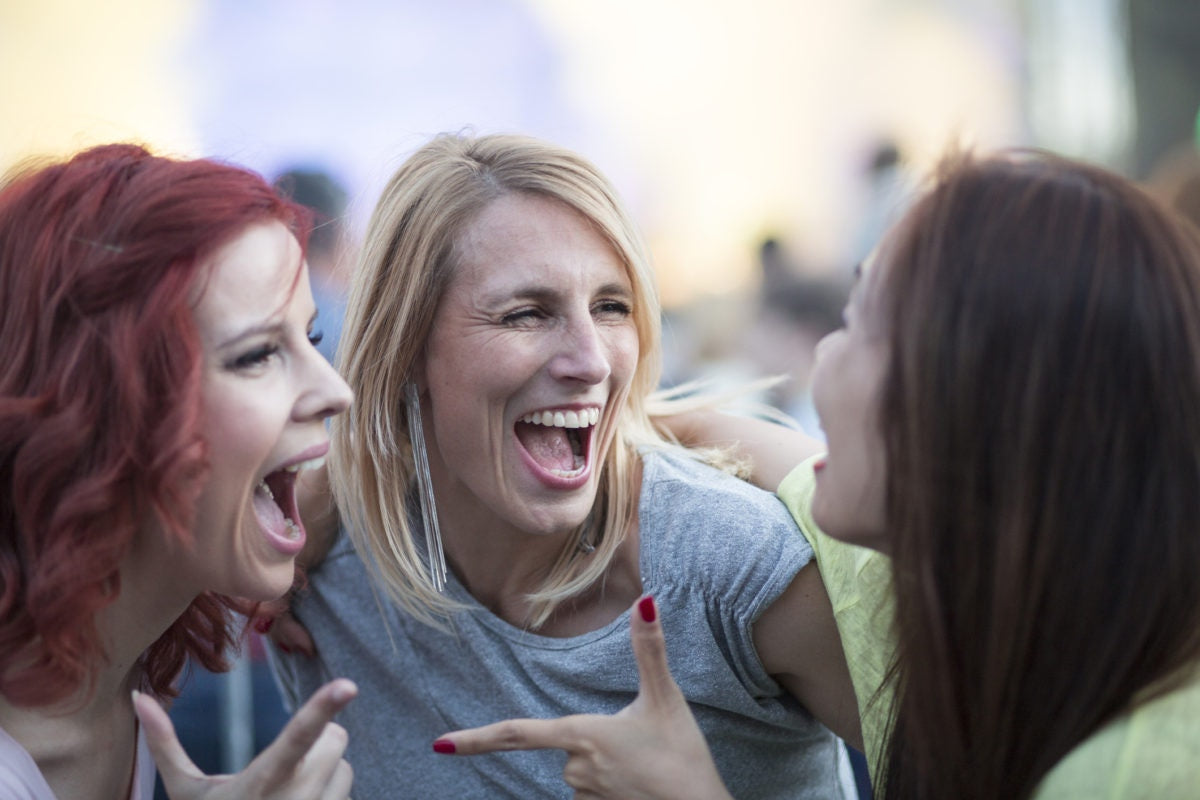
(433, 533)
(585, 547)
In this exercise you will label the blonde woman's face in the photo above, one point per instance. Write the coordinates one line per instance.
(528, 364)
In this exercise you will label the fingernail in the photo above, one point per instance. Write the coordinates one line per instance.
(444, 746)
(646, 607)
(345, 692)
(285, 649)
(263, 624)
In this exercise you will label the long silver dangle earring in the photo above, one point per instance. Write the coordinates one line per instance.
(433, 533)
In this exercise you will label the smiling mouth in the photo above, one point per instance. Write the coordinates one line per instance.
(558, 440)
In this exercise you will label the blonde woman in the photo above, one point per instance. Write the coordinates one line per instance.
(502, 340)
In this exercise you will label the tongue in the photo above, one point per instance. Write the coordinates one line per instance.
(268, 513)
(548, 446)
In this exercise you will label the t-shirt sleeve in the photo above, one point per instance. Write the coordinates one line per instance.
(859, 583)
(732, 544)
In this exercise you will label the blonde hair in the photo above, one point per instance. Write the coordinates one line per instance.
(406, 263)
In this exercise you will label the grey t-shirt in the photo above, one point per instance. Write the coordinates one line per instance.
(715, 553)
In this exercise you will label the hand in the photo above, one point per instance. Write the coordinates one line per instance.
(305, 762)
(287, 632)
(651, 750)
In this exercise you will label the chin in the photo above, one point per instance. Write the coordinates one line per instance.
(269, 587)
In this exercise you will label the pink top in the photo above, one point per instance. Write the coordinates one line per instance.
(20, 779)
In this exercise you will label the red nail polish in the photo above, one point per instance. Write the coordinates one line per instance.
(285, 649)
(646, 607)
(263, 624)
(444, 746)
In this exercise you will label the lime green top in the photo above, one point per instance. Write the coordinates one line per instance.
(1150, 753)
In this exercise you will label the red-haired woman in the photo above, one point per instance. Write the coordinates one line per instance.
(1011, 507)
(159, 395)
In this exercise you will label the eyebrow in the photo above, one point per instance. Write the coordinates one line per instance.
(250, 332)
(543, 294)
(270, 326)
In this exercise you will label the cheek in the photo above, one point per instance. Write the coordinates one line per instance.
(623, 344)
(241, 427)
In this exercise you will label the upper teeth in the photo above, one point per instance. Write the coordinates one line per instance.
(312, 463)
(564, 419)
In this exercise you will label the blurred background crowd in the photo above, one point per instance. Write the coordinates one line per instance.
(763, 145)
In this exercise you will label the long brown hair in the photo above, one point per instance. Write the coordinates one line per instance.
(1042, 424)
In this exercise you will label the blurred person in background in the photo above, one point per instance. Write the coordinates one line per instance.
(328, 247)
(793, 312)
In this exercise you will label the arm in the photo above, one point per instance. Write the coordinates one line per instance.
(798, 642)
(651, 750)
(773, 449)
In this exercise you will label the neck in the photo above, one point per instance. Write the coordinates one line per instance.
(84, 745)
(526, 560)
(500, 568)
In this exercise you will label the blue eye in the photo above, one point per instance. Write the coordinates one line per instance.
(316, 337)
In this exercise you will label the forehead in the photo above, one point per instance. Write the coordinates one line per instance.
(249, 278)
(527, 236)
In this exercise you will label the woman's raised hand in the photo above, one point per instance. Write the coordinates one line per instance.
(305, 761)
(651, 750)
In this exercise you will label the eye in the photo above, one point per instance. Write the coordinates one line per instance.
(522, 315)
(316, 337)
(255, 357)
(612, 308)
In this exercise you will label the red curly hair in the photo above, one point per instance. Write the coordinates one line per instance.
(100, 399)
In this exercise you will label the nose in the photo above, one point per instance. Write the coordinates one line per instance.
(325, 393)
(582, 354)
(823, 344)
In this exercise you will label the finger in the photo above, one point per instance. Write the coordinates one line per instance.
(511, 734)
(319, 764)
(650, 651)
(282, 756)
(339, 785)
(289, 635)
(173, 763)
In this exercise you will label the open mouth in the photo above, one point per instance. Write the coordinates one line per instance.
(558, 440)
(275, 501)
